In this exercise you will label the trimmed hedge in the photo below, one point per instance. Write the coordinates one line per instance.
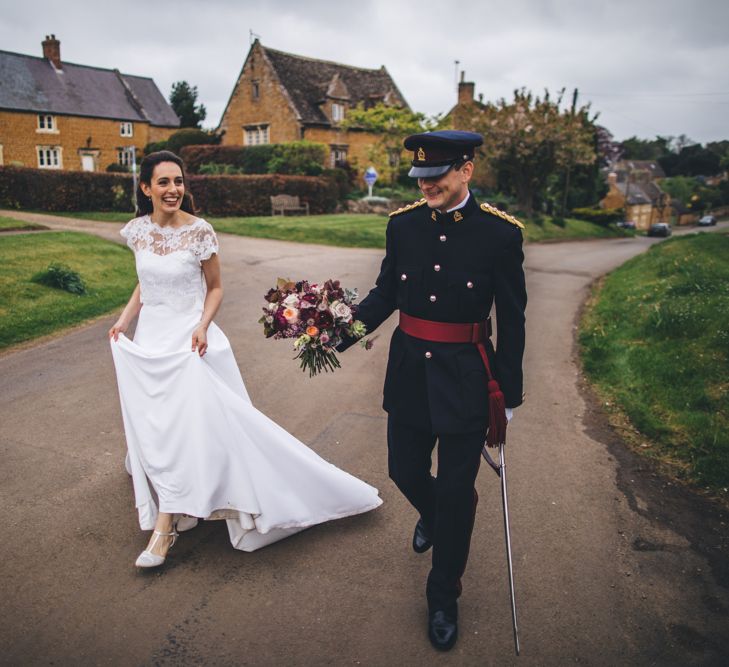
(293, 157)
(248, 159)
(47, 190)
(189, 136)
(57, 190)
(601, 216)
(250, 195)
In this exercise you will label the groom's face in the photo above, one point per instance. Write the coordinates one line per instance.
(449, 189)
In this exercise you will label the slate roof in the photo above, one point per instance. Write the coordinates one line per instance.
(307, 81)
(29, 83)
(650, 166)
(636, 194)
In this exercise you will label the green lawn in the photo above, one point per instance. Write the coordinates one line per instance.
(656, 343)
(10, 225)
(359, 231)
(29, 310)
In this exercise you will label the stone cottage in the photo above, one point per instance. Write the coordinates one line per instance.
(282, 97)
(58, 115)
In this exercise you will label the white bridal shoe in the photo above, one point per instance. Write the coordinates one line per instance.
(184, 522)
(147, 558)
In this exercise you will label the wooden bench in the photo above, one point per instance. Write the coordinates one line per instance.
(282, 203)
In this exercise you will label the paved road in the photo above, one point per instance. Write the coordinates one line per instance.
(613, 566)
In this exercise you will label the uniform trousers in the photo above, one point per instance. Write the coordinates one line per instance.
(446, 503)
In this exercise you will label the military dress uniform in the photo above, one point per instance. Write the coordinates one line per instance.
(447, 268)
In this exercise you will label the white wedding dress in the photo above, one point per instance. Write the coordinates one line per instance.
(196, 445)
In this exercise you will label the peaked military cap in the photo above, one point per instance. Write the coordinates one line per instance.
(436, 152)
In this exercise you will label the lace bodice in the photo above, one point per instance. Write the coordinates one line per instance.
(169, 260)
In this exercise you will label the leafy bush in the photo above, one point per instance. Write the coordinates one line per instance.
(601, 216)
(341, 177)
(214, 169)
(116, 168)
(50, 190)
(250, 194)
(255, 159)
(246, 159)
(155, 146)
(305, 158)
(298, 157)
(61, 277)
(190, 136)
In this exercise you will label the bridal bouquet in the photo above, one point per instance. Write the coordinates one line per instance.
(317, 316)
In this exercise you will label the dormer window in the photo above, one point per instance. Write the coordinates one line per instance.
(126, 129)
(46, 123)
(337, 112)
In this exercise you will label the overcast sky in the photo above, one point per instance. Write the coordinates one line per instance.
(648, 67)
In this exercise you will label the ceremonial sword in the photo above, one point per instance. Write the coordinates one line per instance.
(500, 470)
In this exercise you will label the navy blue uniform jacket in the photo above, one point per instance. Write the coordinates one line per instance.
(449, 267)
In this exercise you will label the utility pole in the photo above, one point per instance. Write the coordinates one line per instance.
(456, 63)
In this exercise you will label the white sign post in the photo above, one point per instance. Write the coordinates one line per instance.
(370, 176)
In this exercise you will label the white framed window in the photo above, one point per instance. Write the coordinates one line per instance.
(338, 154)
(126, 129)
(46, 123)
(124, 156)
(255, 135)
(337, 112)
(49, 157)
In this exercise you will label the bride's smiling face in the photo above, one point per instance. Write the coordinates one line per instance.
(167, 187)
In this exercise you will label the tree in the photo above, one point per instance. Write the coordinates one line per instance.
(648, 149)
(183, 98)
(530, 141)
(392, 124)
(691, 161)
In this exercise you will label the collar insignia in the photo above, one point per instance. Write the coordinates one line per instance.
(421, 153)
(434, 216)
(457, 216)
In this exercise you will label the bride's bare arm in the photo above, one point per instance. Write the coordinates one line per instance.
(131, 310)
(213, 299)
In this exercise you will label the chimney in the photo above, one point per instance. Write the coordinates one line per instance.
(465, 90)
(52, 51)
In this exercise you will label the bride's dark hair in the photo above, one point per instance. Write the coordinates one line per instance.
(144, 203)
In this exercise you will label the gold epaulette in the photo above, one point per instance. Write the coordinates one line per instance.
(409, 207)
(501, 214)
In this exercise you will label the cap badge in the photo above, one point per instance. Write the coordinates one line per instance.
(421, 153)
(457, 216)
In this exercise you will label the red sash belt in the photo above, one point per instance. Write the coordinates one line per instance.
(477, 333)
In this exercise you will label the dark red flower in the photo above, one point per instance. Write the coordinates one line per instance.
(323, 319)
(279, 321)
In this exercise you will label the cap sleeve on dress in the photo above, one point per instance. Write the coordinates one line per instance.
(130, 231)
(206, 242)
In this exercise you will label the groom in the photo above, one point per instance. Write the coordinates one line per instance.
(447, 262)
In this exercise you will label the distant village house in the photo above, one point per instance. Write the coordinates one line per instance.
(634, 186)
(281, 97)
(58, 115)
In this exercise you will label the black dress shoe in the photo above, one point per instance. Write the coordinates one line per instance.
(442, 630)
(421, 539)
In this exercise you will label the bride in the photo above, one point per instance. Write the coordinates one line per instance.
(196, 445)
